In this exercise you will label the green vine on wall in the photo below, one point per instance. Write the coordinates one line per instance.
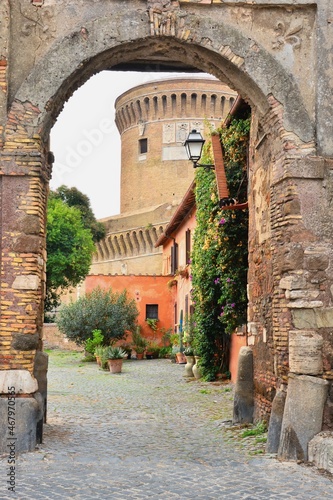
(220, 255)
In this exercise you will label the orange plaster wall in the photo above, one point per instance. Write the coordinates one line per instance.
(184, 285)
(237, 341)
(144, 290)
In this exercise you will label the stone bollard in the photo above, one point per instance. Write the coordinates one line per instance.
(303, 415)
(40, 373)
(244, 388)
(21, 408)
(275, 421)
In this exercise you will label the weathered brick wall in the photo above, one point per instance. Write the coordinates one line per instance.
(54, 339)
(25, 174)
(290, 281)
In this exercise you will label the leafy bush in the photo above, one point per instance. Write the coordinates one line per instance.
(95, 341)
(260, 428)
(165, 352)
(113, 314)
(139, 343)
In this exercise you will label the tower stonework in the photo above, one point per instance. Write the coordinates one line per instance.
(154, 120)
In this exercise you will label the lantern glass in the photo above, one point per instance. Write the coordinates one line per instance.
(194, 144)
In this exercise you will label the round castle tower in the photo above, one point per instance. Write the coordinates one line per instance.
(154, 120)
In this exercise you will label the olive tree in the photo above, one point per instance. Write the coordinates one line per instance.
(114, 314)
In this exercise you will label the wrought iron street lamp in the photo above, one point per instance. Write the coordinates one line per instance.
(193, 145)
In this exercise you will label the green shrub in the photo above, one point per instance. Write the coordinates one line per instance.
(165, 352)
(111, 313)
(139, 343)
(96, 340)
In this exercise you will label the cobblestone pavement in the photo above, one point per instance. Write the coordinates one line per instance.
(147, 433)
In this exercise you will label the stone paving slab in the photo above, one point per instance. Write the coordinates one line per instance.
(144, 434)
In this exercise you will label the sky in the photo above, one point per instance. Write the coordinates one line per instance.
(86, 142)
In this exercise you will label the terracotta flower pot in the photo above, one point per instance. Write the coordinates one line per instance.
(139, 355)
(115, 365)
(180, 358)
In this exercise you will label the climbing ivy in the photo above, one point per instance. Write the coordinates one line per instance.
(220, 256)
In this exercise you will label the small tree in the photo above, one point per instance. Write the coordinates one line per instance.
(112, 313)
(70, 248)
(74, 198)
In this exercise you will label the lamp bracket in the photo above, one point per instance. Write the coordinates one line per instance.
(207, 167)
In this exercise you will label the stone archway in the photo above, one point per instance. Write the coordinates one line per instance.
(283, 134)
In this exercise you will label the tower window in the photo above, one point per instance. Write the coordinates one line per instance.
(143, 146)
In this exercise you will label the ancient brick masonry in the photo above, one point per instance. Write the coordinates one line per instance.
(274, 252)
(25, 174)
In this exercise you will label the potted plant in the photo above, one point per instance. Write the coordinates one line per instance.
(176, 348)
(128, 349)
(153, 350)
(99, 352)
(139, 344)
(115, 357)
(91, 343)
(189, 354)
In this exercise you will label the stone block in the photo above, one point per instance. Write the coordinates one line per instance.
(307, 168)
(292, 207)
(30, 224)
(27, 413)
(27, 243)
(26, 282)
(321, 451)
(305, 352)
(305, 304)
(313, 318)
(244, 388)
(292, 282)
(303, 415)
(25, 341)
(316, 262)
(292, 258)
(22, 381)
(40, 373)
(40, 370)
(302, 294)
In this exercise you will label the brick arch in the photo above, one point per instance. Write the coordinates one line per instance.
(255, 74)
(68, 63)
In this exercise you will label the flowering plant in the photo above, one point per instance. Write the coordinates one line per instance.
(219, 258)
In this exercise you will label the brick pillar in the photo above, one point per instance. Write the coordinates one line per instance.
(24, 175)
